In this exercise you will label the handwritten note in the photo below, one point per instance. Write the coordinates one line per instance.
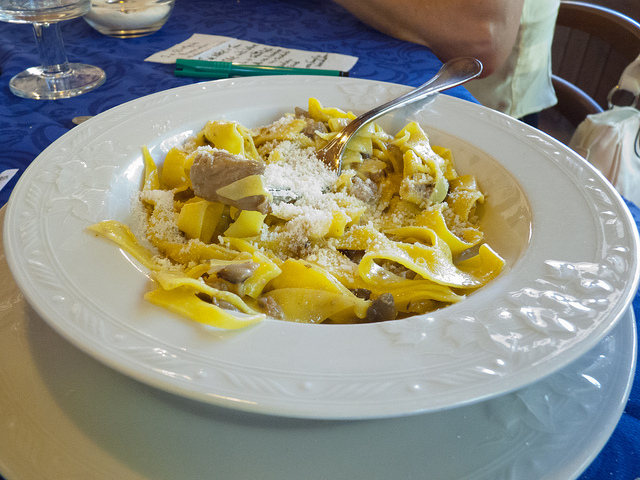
(226, 49)
(6, 176)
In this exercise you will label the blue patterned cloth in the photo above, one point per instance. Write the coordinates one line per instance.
(28, 126)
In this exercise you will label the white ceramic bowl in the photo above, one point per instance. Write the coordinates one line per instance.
(570, 243)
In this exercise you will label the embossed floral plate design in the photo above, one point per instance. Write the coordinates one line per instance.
(570, 244)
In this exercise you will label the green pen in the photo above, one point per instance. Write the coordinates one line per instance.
(206, 69)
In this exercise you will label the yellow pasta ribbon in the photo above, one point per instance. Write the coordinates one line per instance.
(308, 293)
(314, 306)
(194, 251)
(151, 176)
(303, 274)
(266, 271)
(180, 295)
(174, 170)
(248, 224)
(421, 164)
(232, 137)
(446, 154)
(415, 292)
(431, 260)
(199, 218)
(324, 114)
(434, 220)
(289, 130)
(464, 196)
(123, 236)
(245, 187)
(487, 264)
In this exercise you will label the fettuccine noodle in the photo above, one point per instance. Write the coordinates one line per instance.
(274, 233)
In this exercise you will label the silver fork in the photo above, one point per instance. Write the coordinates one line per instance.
(453, 73)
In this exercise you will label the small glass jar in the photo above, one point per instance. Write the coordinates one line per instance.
(128, 18)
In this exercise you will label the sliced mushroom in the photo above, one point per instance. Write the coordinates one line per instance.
(301, 112)
(382, 309)
(354, 255)
(363, 293)
(237, 272)
(215, 169)
(271, 307)
(217, 302)
(313, 127)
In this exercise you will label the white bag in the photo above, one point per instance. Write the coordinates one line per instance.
(610, 140)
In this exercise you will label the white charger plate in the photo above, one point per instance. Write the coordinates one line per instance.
(65, 415)
(570, 244)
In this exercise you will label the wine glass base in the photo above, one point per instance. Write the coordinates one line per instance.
(34, 83)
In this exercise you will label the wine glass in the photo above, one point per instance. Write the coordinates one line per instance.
(55, 77)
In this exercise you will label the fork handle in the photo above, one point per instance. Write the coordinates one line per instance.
(453, 73)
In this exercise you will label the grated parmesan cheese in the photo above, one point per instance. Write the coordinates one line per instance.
(299, 171)
(163, 223)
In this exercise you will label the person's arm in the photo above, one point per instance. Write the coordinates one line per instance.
(485, 29)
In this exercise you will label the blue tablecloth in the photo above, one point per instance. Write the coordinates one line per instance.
(29, 126)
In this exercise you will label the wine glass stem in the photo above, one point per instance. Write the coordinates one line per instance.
(53, 58)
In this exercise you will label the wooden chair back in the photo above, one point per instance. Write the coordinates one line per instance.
(592, 45)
